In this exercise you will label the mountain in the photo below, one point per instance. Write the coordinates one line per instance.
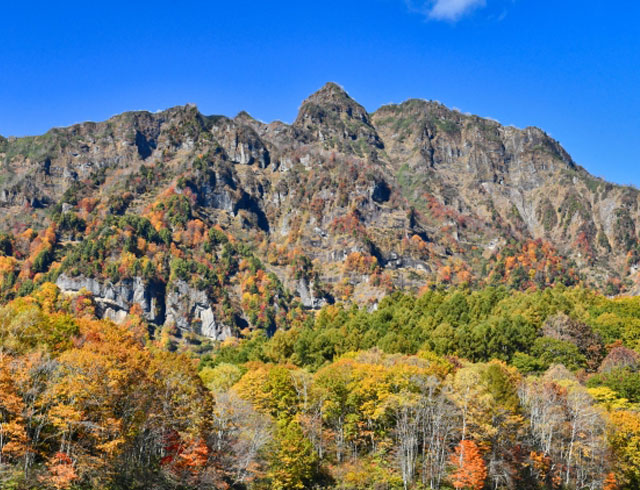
(213, 226)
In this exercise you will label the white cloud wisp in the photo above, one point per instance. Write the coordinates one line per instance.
(450, 10)
(453, 9)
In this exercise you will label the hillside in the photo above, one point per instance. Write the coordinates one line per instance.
(210, 225)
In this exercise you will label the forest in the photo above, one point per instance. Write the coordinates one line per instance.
(450, 388)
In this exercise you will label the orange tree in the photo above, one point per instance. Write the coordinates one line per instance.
(470, 471)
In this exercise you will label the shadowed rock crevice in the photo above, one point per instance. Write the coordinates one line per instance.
(145, 146)
(249, 203)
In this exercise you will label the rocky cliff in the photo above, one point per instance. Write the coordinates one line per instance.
(180, 305)
(216, 224)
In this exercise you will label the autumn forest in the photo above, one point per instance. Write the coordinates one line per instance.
(452, 388)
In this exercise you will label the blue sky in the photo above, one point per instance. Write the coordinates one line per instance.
(569, 67)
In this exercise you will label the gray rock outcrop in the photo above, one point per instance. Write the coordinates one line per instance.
(308, 296)
(114, 301)
(191, 310)
(182, 306)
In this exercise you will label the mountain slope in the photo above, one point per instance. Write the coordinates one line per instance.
(212, 225)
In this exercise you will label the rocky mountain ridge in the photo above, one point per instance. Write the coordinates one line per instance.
(238, 223)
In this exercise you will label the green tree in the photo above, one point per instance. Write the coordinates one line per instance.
(552, 351)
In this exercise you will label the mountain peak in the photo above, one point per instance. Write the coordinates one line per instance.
(329, 92)
(332, 97)
(331, 113)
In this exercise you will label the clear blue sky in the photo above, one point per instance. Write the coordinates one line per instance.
(569, 67)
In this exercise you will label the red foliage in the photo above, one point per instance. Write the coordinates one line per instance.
(61, 471)
(619, 357)
(349, 223)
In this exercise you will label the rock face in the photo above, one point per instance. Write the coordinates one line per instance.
(309, 297)
(182, 306)
(190, 310)
(115, 300)
(372, 201)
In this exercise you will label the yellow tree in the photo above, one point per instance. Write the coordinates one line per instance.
(13, 436)
(624, 438)
(294, 462)
(474, 401)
